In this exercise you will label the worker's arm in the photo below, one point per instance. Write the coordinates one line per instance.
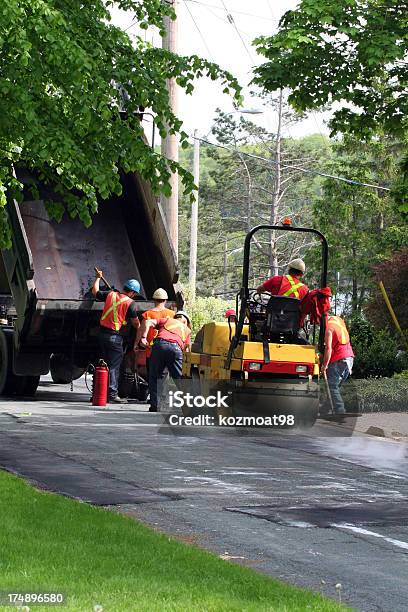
(141, 336)
(187, 344)
(95, 286)
(135, 322)
(328, 341)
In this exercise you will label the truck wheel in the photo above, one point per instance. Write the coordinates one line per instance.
(61, 369)
(30, 385)
(9, 382)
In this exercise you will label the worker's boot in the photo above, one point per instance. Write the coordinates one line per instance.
(117, 400)
(153, 409)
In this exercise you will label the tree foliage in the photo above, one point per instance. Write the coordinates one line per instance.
(360, 224)
(71, 89)
(349, 50)
(237, 190)
(376, 350)
(352, 52)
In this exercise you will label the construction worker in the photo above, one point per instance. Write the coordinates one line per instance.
(119, 309)
(158, 312)
(338, 359)
(173, 337)
(289, 285)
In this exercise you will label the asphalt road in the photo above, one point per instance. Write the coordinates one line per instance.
(314, 509)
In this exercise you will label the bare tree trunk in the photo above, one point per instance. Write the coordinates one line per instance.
(273, 217)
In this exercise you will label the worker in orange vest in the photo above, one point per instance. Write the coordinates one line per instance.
(173, 337)
(338, 358)
(119, 309)
(289, 285)
(158, 312)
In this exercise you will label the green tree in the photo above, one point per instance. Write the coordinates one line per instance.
(72, 87)
(240, 187)
(360, 224)
(349, 51)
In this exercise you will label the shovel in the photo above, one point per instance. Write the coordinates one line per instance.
(104, 279)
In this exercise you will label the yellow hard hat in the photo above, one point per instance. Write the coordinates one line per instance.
(160, 294)
(297, 264)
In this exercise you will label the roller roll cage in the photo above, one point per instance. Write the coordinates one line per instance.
(244, 291)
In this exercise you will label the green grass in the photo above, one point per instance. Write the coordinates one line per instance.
(51, 543)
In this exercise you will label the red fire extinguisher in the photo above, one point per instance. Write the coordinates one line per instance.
(100, 384)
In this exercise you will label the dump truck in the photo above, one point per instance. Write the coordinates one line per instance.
(48, 317)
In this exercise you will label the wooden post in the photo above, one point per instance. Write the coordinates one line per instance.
(192, 277)
(170, 144)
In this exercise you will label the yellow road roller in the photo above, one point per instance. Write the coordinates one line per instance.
(261, 359)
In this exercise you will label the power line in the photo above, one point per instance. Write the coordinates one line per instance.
(300, 169)
(233, 11)
(234, 25)
(199, 31)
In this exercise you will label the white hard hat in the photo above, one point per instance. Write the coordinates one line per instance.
(160, 294)
(182, 313)
(297, 264)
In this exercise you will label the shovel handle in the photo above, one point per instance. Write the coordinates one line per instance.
(103, 278)
(328, 391)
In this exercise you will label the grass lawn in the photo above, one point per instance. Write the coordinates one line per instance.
(50, 543)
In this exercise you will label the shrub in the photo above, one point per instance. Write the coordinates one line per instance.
(203, 310)
(383, 394)
(376, 350)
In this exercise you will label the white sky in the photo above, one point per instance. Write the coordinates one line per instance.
(204, 30)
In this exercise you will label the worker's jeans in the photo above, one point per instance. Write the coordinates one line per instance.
(165, 356)
(111, 346)
(337, 373)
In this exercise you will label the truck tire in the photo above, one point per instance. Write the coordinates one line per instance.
(62, 370)
(10, 383)
(29, 387)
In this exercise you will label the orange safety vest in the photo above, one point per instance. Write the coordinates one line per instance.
(174, 331)
(341, 346)
(157, 315)
(293, 288)
(114, 313)
(337, 325)
(174, 326)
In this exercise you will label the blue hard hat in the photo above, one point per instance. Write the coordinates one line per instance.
(133, 285)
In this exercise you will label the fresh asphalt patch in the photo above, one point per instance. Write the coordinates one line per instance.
(360, 515)
(59, 474)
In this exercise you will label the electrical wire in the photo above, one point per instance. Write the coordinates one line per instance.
(199, 31)
(205, 4)
(234, 25)
(293, 167)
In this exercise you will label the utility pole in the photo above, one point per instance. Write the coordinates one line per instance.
(192, 277)
(276, 197)
(225, 267)
(170, 144)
